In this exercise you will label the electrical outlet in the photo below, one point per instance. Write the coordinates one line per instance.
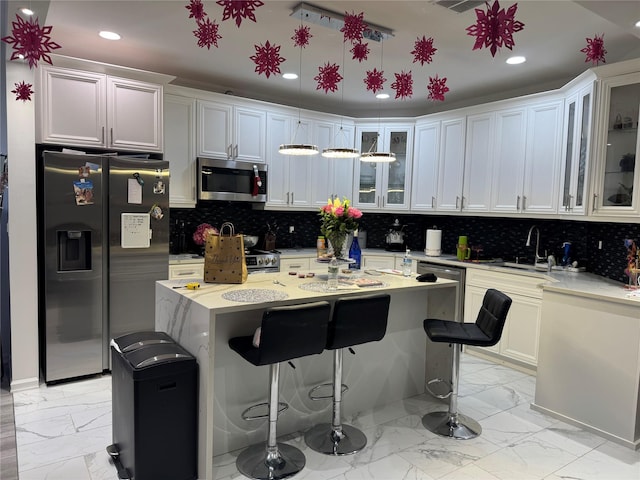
(599, 244)
(291, 228)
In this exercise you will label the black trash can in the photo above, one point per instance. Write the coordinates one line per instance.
(154, 408)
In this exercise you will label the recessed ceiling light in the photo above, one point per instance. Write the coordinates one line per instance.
(109, 35)
(638, 24)
(382, 96)
(27, 11)
(516, 60)
(290, 76)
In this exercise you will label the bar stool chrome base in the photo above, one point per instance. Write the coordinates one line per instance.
(258, 463)
(324, 439)
(454, 426)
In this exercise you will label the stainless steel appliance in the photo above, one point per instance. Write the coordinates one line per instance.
(231, 180)
(103, 243)
(262, 261)
(449, 273)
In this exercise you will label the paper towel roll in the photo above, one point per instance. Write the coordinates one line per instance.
(434, 243)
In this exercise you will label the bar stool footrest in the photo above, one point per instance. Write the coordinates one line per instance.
(439, 395)
(314, 397)
(245, 414)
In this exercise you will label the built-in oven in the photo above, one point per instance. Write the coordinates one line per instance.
(262, 261)
(449, 273)
(231, 180)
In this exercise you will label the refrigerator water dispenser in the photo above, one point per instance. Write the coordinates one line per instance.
(74, 250)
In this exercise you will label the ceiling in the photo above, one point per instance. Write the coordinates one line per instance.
(157, 36)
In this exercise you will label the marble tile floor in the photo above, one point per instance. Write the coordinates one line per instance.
(62, 432)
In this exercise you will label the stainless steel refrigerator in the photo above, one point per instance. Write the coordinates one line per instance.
(104, 241)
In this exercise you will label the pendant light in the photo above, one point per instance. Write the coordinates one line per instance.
(376, 156)
(341, 150)
(293, 148)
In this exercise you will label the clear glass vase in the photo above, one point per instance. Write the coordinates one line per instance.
(337, 242)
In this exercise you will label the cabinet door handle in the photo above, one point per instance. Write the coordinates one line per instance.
(524, 202)
(102, 140)
(229, 152)
(433, 202)
(518, 203)
(457, 202)
(287, 198)
(185, 273)
(295, 265)
(462, 203)
(235, 151)
(111, 135)
(569, 203)
(595, 199)
(291, 198)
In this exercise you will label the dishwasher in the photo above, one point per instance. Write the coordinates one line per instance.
(439, 356)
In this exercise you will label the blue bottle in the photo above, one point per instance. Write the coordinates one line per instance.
(354, 252)
(566, 254)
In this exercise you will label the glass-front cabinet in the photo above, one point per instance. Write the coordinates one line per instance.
(575, 149)
(616, 189)
(382, 185)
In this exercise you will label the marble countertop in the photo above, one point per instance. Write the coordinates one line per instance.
(263, 285)
(572, 283)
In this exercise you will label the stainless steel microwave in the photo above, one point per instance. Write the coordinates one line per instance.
(231, 180)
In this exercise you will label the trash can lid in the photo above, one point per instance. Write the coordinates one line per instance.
(154, 355)
(133, 341)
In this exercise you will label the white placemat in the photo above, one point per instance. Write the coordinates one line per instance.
(254, 295)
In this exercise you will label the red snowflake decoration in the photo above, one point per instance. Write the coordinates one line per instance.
(301, 36)
(375, 80)
(239, 9)
(207, 33)
(423, 50)
(360, 51)
(495, 28)
(196, 10)
(23, 91)
(267, 59)
(437, 88)
(403, 85)
(30, 41)
(328, 78)
(595, 50)
(354, 26)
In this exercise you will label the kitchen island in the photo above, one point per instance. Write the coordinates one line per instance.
(203, 320)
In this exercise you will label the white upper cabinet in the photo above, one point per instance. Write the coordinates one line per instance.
(616, 191)
(476, 192)
(424, 180)
(451, 164)
(576, 145)
(508, 166)
(231, 132)
(179, 150)
(332, 177)
(96, 110)
(383, 186)
(542, 158)
(288, 176)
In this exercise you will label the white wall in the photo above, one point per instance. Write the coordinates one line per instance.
(22, 231)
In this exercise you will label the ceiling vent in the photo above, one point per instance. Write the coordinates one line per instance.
(459, 6)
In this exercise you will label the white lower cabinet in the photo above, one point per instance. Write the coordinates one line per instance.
(295, 264)
(186, 271)
(521, 332)
(378, 261)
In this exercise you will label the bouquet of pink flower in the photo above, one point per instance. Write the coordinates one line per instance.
(201, 233)
(338, 217)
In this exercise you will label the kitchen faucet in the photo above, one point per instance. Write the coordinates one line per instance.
(528, 244)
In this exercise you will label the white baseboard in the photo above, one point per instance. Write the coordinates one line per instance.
(25, 384)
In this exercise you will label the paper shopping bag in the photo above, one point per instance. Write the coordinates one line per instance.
(224, 260)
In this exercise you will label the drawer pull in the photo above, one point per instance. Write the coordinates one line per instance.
(185, 273)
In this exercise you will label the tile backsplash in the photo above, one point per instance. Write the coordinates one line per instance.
(499, 237)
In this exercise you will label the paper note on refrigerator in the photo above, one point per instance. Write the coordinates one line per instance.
(134, 191)
(135, 231)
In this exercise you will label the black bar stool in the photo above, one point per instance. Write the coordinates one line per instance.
(485, 332)
(286, 333)
(356, 320)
